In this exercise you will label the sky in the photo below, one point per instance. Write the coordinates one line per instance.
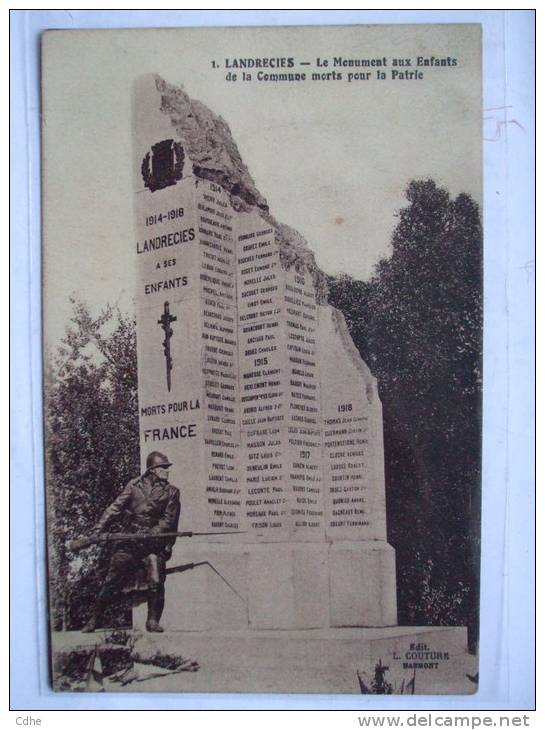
(331, 157)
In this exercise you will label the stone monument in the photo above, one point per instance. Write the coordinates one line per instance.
(250, 383)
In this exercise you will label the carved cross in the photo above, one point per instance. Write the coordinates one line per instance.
(165, 322)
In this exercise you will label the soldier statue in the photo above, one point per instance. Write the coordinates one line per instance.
(151, 506)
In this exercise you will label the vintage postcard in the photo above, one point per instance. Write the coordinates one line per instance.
(262, 262)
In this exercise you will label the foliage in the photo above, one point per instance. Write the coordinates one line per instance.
(92, 447)
(418, 325)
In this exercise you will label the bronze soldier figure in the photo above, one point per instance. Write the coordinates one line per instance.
(148, 504)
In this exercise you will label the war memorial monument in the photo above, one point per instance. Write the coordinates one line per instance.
(259, 419)
(249, 381)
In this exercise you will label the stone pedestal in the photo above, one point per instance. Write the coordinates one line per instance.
(279, 585)
(361, 576)
(250, 383)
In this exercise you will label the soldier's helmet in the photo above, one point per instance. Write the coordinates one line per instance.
(157, 459)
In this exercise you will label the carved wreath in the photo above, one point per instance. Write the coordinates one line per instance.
(162, 181)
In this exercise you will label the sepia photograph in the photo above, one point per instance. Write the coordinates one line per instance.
(262, 332)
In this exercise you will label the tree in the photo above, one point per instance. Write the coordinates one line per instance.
(418, 325)
(92, 447)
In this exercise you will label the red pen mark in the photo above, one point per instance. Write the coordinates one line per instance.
(499, 123)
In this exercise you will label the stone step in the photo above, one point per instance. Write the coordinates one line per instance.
(334, 647)
(310, 661)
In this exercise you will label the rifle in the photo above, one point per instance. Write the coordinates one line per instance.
(84, 542)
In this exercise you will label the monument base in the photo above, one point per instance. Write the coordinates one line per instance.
(433, 659)
(286, 586)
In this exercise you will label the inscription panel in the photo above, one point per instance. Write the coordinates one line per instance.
(279, 391)
(262, 391)
(352, 437)
(219, 356)
(303, 421)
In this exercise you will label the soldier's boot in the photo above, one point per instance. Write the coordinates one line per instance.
(102, 601)
(156, 603)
